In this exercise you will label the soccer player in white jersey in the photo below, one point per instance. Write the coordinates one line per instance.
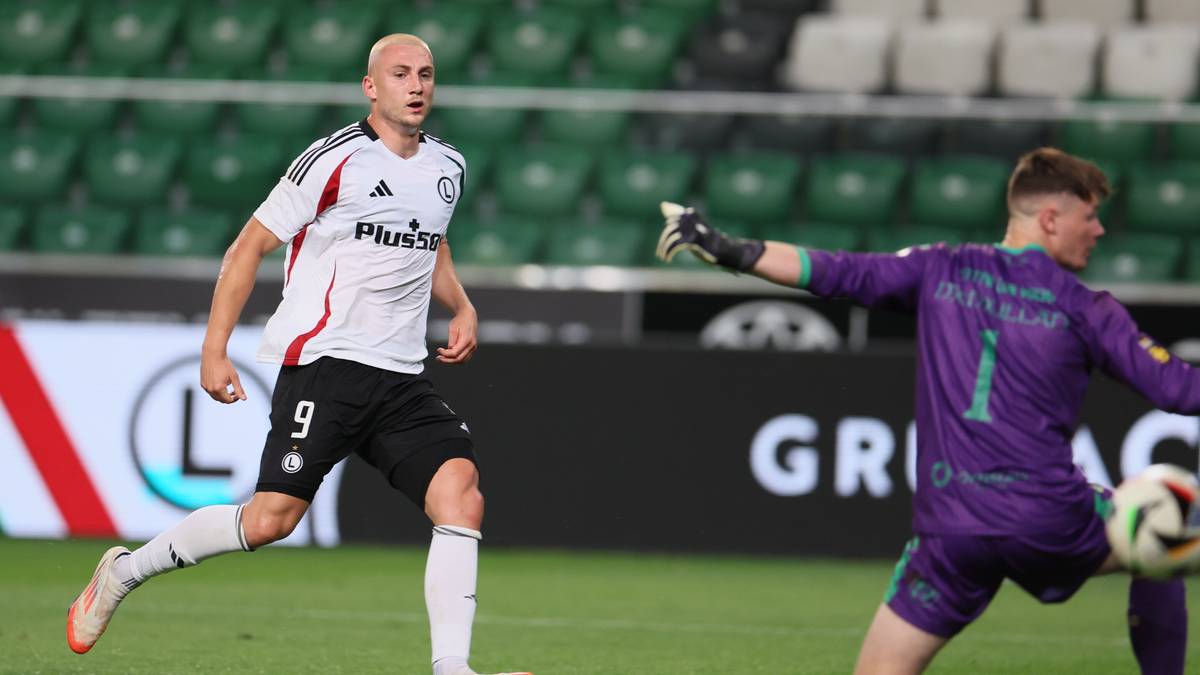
(364, 212)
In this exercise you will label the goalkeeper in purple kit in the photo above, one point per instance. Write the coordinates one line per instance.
(1007, 338)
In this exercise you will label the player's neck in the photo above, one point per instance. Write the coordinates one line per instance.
(402, 140)
(1017, 237)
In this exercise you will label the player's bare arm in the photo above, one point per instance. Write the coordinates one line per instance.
(464, 326)
(234, 283)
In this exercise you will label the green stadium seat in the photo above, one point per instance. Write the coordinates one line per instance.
(131, 34)
(344, 115)
(1108, 139)
(94, 230)
(164, 232)
(233, 36)
(1139, 258)
(450, 31)
(1164, 196)
(588, 127)
(9, 104)
(183, 118)
(12, 228)
(963, 192)
(33, 33)
(233, 174)
(1185, 140)
(792, 133)
(491, 125)
(331, 37)
(642, 44)
(77, 115)
(823, 236)
(480, 158)
(897, 238)
(130, 172)
(297, 120)
(540, 42)
(752, 188)
(631, 185)
(1116, 174)
(35, 166)
(1191, 268)
(618, 243)
(505, 241)
(855, 189)
(542, 181)
(585, 8)
(893, 136)
(699, 133)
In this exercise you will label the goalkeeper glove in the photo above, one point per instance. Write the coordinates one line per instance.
(686, 229)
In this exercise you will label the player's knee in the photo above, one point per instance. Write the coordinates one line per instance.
(267, 528)
(463, 508)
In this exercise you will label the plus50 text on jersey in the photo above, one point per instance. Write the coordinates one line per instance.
(421, 241)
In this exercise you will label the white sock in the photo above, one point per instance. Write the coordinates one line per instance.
(206, 532)
(450, 574)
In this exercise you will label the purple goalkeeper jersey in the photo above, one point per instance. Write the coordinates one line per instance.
(1006, 342)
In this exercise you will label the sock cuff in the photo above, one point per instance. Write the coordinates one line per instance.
(241, 531)
(456, 531)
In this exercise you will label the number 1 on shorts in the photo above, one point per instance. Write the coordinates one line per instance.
(304, 412)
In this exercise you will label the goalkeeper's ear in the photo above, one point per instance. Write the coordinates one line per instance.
(671, 209)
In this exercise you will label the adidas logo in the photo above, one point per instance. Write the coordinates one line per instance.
(175, 558)
(382, 190)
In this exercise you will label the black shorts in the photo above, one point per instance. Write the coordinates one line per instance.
(323, 411)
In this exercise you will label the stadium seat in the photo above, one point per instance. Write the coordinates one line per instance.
(130, 171)
(1116, 174)
(584, 8)
(1166, 11)
(184, 118)
(12, 228)
(893, 135)
(233, 173)
(896, 238)
(1150, 61)
(504, 241)
(618, 243)
(1164, 196)
(131, 34)
(632, 184)
(1108, 139)
(94, 230)
(741, 47)
(697, 132)
(480, 158)
(1099, 11)
(838, 54)
(1004, 138)
(1139, 258)
(1056, 59)
(546, 180)
(959, 192)
(1184, 140)
(951, 56)
(854, 189)
(597, 128)
(450, 31)
(164, 232)
(642, 44)
(1191, 267)
(298, 120)
(996, 11)
(35, 166)
(234, 36)
(492, 125)
(802, 134)
(757, 188)
(893, 9)
(539, 42)
(9, 104)
(33, 33)
(334, 37)
(77, 115)
(822, 236)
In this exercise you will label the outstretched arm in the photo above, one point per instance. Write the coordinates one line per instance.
(234, 283)
(450, 294)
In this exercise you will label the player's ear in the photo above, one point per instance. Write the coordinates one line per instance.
(1048, 213)
(368, 87)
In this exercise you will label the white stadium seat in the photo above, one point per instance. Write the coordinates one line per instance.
(1152, 61)
(952, 56)
(892, 9)
(839, 54)
(1172, 10)
(993, 10)
(1100, 11)
(1052, 58)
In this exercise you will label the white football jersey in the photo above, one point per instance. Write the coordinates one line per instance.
(363, 227)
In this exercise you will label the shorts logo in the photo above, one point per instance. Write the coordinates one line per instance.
(445, 188)
(292, 462)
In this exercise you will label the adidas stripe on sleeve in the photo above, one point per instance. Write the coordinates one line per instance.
(293, 202)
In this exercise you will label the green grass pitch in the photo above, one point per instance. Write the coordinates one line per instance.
(361, 610)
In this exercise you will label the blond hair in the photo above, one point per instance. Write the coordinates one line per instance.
(386, 41)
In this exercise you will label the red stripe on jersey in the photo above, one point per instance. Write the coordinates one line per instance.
(292, 357)
(328, 197)
(48, 444)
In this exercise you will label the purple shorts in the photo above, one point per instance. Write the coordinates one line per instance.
(944, 582)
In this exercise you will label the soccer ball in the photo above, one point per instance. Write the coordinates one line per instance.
(1154, 527)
